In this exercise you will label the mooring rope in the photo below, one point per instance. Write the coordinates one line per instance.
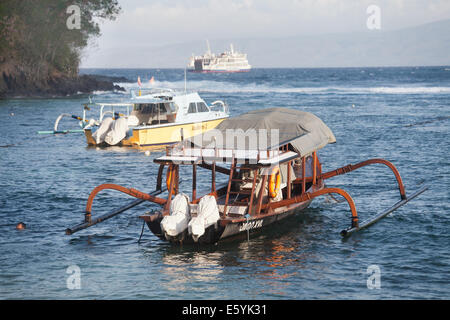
(142, 231)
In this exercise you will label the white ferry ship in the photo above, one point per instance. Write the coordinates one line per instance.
(228, 61)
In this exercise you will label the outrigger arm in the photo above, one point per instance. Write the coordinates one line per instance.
(310, 195)
(83, 123)
(352, 167)
(141, 197)
(130, 191)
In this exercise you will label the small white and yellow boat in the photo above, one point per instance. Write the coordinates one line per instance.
(159, 118)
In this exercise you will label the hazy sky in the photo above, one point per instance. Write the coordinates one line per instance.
(160, 22)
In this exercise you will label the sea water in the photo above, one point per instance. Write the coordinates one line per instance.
(400, 114)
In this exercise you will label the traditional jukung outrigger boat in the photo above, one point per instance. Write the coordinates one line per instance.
(157, 118)
(273, 171)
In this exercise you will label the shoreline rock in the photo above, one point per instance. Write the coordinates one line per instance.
(20, 87)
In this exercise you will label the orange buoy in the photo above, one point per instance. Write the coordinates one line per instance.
(274, 182)
(169, 176)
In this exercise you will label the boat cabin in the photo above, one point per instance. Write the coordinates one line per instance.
(170, 107)
(155, 112)
(248, 165)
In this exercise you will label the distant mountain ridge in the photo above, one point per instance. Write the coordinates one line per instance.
(424, 45)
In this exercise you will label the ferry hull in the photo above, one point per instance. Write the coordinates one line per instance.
(161, 136)
(219, 71)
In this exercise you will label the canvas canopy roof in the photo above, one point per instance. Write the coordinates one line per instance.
(267, 129)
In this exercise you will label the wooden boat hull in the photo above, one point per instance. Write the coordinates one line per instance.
(224, 229)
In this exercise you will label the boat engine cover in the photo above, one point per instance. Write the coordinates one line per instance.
(100, 133)
(178, 219)
(118, 131)
(208, 214)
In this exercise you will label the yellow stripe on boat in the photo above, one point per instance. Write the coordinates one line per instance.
(168, 134)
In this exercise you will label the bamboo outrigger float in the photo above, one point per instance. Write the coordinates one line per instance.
(275, 175)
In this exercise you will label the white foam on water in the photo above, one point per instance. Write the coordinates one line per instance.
(229, 87)
(410, 90)
(99, 92)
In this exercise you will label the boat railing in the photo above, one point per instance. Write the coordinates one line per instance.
(218, 104)
(158, 90)
(113, 109)
(140, 92)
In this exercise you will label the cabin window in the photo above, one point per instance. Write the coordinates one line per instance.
(162, 108)
(155, 108)
(143, 107)
(173, 107)
(201, 107)
(192, 108)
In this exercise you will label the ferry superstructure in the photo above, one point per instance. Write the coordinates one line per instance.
(228, 61)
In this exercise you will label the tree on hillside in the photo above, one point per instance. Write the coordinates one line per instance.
(35, 41)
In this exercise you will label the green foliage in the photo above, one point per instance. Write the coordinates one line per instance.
(34, 36)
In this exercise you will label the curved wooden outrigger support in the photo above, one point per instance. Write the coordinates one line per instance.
(310, 195)
(130, 191)
(351, 167)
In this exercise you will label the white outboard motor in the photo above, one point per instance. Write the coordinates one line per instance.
(118, 131)
(208, 214)
(178, 220)
(100, 133)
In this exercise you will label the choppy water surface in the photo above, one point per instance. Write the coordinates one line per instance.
(401, 114)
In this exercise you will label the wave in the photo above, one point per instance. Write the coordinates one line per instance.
(230, 87)
(410, 90)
